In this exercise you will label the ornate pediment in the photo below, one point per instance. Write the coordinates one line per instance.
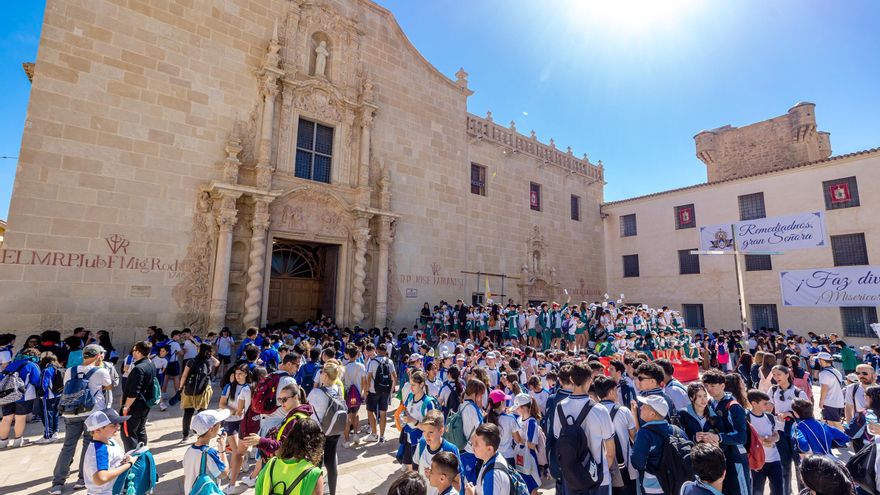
(311, 212)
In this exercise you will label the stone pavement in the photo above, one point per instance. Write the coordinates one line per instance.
(366, 469)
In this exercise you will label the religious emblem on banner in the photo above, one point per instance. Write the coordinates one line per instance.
(533, 197)
(840, 193)
(684, 216)
(722, 241)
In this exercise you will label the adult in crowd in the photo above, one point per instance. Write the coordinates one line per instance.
(138, 390)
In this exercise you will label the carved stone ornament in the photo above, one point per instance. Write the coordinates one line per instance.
(320, 104)
(311, 212)
(193, 293)
(232, 164)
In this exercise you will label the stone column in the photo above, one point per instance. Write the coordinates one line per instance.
(366, 126)
(381, 314)
(226, 219)
(253, 302)
(264, 168)
(360, 236)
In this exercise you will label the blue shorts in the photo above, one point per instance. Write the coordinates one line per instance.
(173, 368)
(833, 414)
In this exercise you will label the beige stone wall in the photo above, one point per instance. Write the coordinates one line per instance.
(785, 192)
(790, 139)
(131, 107)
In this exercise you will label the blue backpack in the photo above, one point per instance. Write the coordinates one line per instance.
(205, 484)
(517, 483)
(308, 376)
(76, 398)
(140, 479)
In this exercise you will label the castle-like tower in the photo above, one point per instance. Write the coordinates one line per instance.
(780, 142)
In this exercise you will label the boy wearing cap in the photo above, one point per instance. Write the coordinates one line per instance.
(831, 396)
(105, 459)
(206, 426)
(648, 445)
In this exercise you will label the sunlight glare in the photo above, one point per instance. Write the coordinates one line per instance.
(630, 17)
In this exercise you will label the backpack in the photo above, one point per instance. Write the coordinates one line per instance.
(281, 487)
(308, 376)
(861, 468)
(75, 358)
(336, 416)
(453, 402)
(12, 386)
(265, 399)
(621, 462)
(382, 380)
(76, 398)
(675, 467)
(140, 478)
(155, 394)
(57, 385)
(580, 470)
(199, 377)
(517, 484)
(454, 433)
(205, 484)
(754, 446)
(353, 397)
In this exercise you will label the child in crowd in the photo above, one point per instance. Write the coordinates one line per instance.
(708, 462)
(207, 426)
(105, 459)
(811, 436)
(160, 361)
(445, 468)
(762, 420)
(493, 478)
(431, 444)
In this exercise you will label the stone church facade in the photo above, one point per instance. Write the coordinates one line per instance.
(258, 161)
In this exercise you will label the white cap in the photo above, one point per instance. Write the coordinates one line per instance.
(824, 356)
(521, 400)
(100, 419)
(205, 420)
(490, 355)
(657, 403)
(415, 357)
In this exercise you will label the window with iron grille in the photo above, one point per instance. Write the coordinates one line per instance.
(751, 206)
(849, 249)
(693, 315)
(314, 151)
(763, 316)
(576, 208)
(758, 262)
(840, 193)
(688, 263)
(628, 225)
(535, 196)
(856, 321)
(631, 265)
(685, 217)
(478, 179)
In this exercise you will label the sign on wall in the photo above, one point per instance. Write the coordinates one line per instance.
(831, 287)
(783, 233)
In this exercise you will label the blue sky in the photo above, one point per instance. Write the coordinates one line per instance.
(627, 81)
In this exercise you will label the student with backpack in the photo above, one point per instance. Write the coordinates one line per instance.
(87, 388)
(584, 438)
(204, 465)
(783, 395)
(657, 448)
(295, 469)
(416, 405)
(51, 387)
(382, 381)
(18, 389)
(195, 386)
(563, 392)
(529, 453)
(623, 475)
(462, 425)
(356, 382)
(496, 477)
(308, 372)
(236, 398)
(292, 403)
(451, 392)
(733, 434)
(105, 459)
(327, 399)
(831, 400)
(432, 444)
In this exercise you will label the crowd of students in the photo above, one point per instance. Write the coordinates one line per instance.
(491, 401)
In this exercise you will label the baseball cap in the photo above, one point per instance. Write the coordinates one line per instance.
(657, 403)
(521, 400)
(415, 357)
(491, 355)
(92, 350)
(205, 420)
(824, 356)
(497, 396)
(100, 419)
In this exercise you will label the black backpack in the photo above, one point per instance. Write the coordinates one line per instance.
(675, 467)
(57, 380)
(580, 471)
(621, 462)
(199, 377)
(382, 380)
(453, 402)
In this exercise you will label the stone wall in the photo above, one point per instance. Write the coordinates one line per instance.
(780, 142)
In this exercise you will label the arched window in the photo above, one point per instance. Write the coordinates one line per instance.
(295, 261)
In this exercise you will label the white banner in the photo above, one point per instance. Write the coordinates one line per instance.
(802, 230)
(831, 287)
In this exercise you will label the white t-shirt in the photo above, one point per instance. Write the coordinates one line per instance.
(448, 347)
(434, 387)
(372, 366)
(624, 422)
(190, 349)
(508, 424)
(192, 464)
(531, 320)
(173, 349)
(224, 346)
(834, 395)
(320, 401)
(160, 363)
(541, 398)
(764, 426)
(597, 425)
(98, 380)
(242, 393)
(101, 457)
(499, 484)
(354, 375)
(859, 396)
(470, 420)
(782, 399)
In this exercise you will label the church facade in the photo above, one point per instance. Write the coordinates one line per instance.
(271, 160)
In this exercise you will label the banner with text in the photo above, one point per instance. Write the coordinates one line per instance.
(831, 287)
(798, 231)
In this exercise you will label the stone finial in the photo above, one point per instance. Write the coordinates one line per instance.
(586, 159)
(533, 135)
(552, 143)
(461, 78)
(600, 165)
(513, 126)
(568, 150)
(489, 116)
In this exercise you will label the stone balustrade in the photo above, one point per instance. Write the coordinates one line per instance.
(481, 128)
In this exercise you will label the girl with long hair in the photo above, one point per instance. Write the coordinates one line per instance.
(416, 405)
(236, 397)
(698, 417)
(301, 452)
